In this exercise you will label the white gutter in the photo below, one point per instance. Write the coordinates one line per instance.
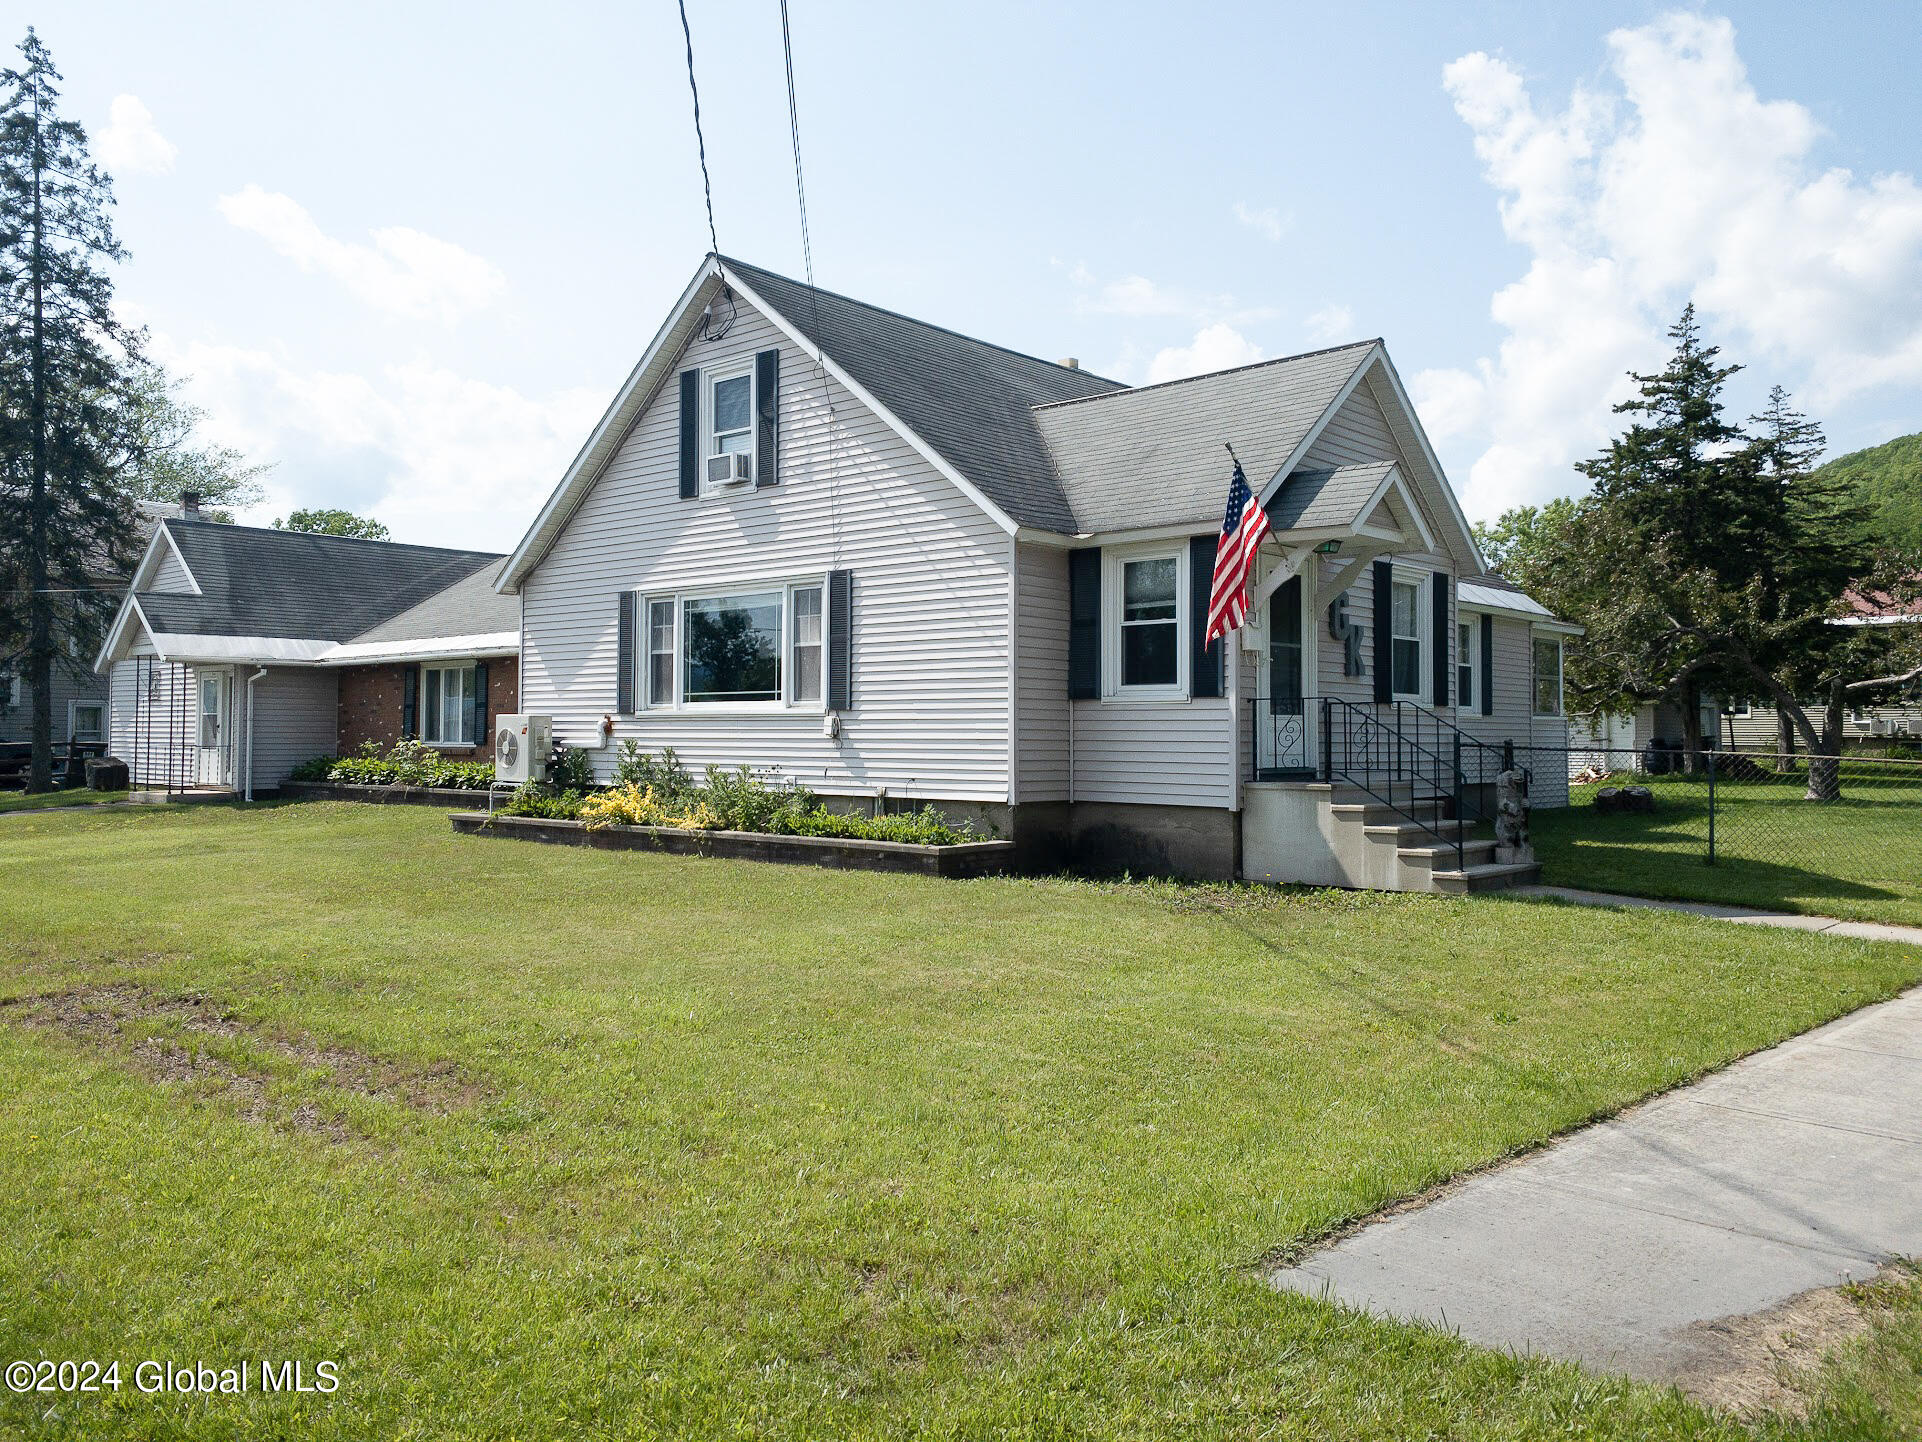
(250, 730)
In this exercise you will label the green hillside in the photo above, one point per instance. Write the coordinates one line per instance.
(1889, 478)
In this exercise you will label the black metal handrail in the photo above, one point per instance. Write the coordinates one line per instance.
(1361, 743)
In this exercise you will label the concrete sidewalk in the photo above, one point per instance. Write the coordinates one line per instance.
(1742, 915)
(1625, 1245)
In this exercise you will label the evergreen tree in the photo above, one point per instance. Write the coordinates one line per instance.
(1665, 502)
(63, 523)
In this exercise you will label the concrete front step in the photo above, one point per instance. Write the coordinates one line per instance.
(1443, 856)
(1489, 876)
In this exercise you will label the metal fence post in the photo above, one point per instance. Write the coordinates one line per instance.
(1711, 808)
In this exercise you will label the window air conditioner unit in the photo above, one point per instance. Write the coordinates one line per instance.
(522, 745)
(735, 468)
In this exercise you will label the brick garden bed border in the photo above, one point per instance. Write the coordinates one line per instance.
(970, 858)
(448, 796)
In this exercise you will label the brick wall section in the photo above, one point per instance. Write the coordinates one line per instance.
(370, 701)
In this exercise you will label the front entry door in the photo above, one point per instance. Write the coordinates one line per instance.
(215, 743)
(1281, 725)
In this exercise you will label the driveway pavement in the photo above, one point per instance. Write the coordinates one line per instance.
(1625, 1245)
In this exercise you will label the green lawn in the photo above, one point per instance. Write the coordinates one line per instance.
(1860, 857)
(541, 1142)
(40, 800)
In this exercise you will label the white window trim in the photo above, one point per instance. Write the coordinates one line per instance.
(421, 701)
(680, 706)
(16, 689)
(1470, 660)
(709, 380)
(73, 715)
(1561, 675)
(1424, 623)
(1113, 559)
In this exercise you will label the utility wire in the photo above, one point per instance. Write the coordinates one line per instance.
(814, 293)
(707, 186)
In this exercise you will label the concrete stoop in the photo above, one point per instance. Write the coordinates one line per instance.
(1365, 841)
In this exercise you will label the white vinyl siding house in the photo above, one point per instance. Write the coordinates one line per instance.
(1030, 549)
(931, 621)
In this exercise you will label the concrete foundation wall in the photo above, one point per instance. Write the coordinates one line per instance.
(1201, 843)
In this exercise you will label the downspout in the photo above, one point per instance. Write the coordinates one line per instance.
(250, 730)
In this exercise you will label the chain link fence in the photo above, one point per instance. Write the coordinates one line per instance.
(1772, 826)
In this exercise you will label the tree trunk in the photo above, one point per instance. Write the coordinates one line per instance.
(1692, 727)
(1825, 766)
(1785, 760)
(39, 602)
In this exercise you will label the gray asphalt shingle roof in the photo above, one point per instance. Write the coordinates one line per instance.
(470, 607)
(971, 401)
(1153, 456)
(260, 582)
(1308, 499)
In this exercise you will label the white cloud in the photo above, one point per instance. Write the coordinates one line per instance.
(1331, 323)
(1267, 222)
(131, 142)
(403, 271)
(1215, 347)
(1677, 181)
(441, 458)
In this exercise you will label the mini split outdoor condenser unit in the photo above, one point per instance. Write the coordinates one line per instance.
(735, 468)
(522, 745)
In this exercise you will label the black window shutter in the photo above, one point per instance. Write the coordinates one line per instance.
(840, 687)
(410, 702)
(477, 705)
(1488, 664)
(1205, 660)
(624, 653)
(1384, 631)
(767, 417)
(690, 434)
(1443, 639)
(1084, 624)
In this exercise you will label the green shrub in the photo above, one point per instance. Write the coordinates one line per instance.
(533, 799)
(657, 791)
(569, 769)
(666, 775)
(406, 763)
(318, 769)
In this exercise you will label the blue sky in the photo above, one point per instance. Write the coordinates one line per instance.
(408, 252)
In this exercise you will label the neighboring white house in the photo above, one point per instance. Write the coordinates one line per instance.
(240, 652)
(902, 566)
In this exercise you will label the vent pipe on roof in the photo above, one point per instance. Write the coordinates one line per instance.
(1069, 362)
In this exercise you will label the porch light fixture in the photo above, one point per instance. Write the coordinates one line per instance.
(1327, 548)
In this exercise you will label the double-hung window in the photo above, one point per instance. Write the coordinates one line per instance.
(1548, 675)
(1405, 631)
(807, 638)
(445, 694)
(1468, 639)
(1151, 622)
(757, 647)
(730, 427)
(660, 653)
(87, 721)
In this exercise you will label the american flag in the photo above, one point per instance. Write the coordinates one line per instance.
(1241, 531)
